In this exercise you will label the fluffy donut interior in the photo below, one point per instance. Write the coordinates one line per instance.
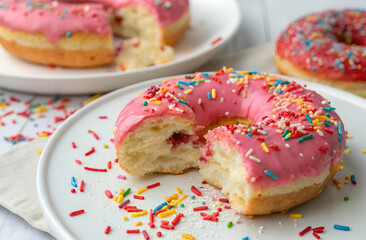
(225, 169)
(160, 145)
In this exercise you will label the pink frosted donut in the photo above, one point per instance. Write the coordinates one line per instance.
(285, 146)
(79, 33)
(326, 47)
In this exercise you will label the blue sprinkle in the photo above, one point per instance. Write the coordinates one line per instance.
(340, 137)
(15, 142)
(209, 96)
(326, 123)
(205, 74)
(353, 178)
(253, 72)
(159, 207)
(282, 82)
(62, 16)
(350, 54)
(181, 101)
(245, 238)
(339, 128)
(249, 134)
(193, 197)
(68, 34)
(270, 174)
(203, 203)
(307, 42)
(308, 118)
(280, 91)
(340, 227)
(328, 115)
(313, 69)
(192, 83)
(180, 86)
(184, 83)
(73, 182)
(67, 11)
(288, 138)
(329, 109)
(285, 133)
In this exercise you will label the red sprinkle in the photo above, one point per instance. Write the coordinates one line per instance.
(318, 230)
(73, 190)
(95, 169)
(195, 191)
(177, 218)
(134, 210)
(102, 117)
(225, 200)
(328, 130)
(211, 218)
(78, 161)
(165, 222)
(158, 234)
(146, 236)
(169, 227)
(217, 40)
(323, 149)
(273, 146)
(82, 186)
(75, 213)
(133, 231)
(153, 185)
(316, 235)
(219, 209)
(160, 211)
(307, 229)
(107, 230)
(90, 151)
(200, 208)
(129, 207)
(109, 165)
(227, 207)
(138, 197)
(116, 160)
(108, 194)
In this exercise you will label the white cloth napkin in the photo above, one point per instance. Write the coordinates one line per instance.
(18, 166)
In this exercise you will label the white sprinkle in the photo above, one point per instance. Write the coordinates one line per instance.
(287, 145)
(222, 99)
(324, 102)
(261, 132)
(238, 142)
(278, 131)
(313, 157)
(301, 154)
(226, 113)
(320, 132)
(254, 159)
(250, 151)
(86, 8)
(199, 101)
(234, 90)
(253, 179)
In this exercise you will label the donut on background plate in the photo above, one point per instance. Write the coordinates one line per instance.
(328, 47)
(282, 146)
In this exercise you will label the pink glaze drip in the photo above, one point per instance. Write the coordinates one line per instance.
(53, 18)
(329, 44)
(258, 105)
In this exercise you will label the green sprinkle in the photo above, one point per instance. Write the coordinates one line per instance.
(229, 224)
(126, 192)
(105, 146)
(182, 205)
(201, 80)
(308, 118)
(144, 103)
(68, 34)
(286, 132)
(346, 198)
(305, 138)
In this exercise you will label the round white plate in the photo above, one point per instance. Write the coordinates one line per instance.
(210, 20)
(57, 166)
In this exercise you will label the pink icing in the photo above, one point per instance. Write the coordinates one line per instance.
(52, 18)
(328, 44)
(299, 160)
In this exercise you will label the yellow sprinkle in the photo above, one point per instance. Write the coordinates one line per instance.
(346, 182)
(115, 198)
(120, 199)
(244, 94)
(243, 133)
(349, 137)
(341, 167)
(295, 215)
(347, 177)
(39, 152)
(92, 98)
(188, 91)
(179, 191)
(264, 147)
(165, 81)
(166, 213)
(339, 186)
(138, 223)
(141, 190)
(288, 135)
(363, 151)
(165, 207)
(125, 218)
(316, 121)
(115, 130)
(152, 99)
(139, 214)
(250, 216)
(39, 109)
(336, 181)
(180, 199)
(347, 150)
(341, 162)
(121, 191)
(43, 135)
(158, 102)
(187, 236)
(184, 98)
(213, 92)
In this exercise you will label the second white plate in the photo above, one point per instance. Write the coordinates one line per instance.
(57, 166)
(210, 20)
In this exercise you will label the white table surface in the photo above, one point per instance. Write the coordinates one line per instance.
(262, 21)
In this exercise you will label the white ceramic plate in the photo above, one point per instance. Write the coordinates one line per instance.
(210, 20)
(57, 166)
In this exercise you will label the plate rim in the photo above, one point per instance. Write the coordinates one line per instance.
(216, 47)
(59, 229)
